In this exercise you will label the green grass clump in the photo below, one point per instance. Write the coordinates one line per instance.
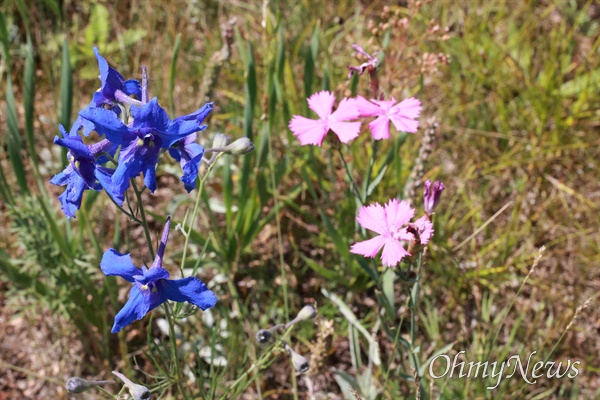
(514, 89)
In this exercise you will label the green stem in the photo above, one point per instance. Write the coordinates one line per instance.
(174, 355)
(129, 215)
(413, 307)
(284, 283)
(370, 170)
(144, 221)
(196, 209)
(109, 394)
(168, 314)
(349, 174)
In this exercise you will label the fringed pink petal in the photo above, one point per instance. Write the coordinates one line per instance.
(308, 131)
(368, 248)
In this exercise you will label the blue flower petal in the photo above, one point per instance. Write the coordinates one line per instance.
(74, 132)
(76, 147)
(111, 78)
(135, 309)
(120, 179)
(180, 129)
(189, 289)
(190, 171)
(151, 115)
(199, 115)
(175, 152)
(88, 126)
(116, 264)
(108, 123)
(70, 199)
(104, 176)
(133, 87)
(87, 171)
(68, 208)
(133, 160)
(150, 176)
(152, 275)
(103, 146)
(62, 178)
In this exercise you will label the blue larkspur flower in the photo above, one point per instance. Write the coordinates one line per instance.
(151, 286)
(113, 89)
(189, 154)
(113, 81)
(142, 140)
(83, 172)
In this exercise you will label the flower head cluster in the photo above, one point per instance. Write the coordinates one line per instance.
(391, 223)
(151, 286)
(404, 115)
(341, 121)
(310, 131)
(84, 171)
(121, 112)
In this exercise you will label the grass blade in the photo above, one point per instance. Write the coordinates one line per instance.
(14, 138)
(172, 73)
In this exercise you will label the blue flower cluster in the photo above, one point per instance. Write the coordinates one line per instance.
(121, 112)
(151, 287)
(138, 129)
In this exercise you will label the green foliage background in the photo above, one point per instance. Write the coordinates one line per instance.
(517, 147)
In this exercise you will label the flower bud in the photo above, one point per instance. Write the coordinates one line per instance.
(220, 140)
(240, 146)
(431, 195)
(138, 392)
(307, 312)
(263, 336)
(77, 385)
(299, 362)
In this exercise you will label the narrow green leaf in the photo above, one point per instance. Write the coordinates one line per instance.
(66, 94)
(29, 99)
(59, 237)
(388, 290)
(14, 138)
(443, 350)
(172, 73)
(228, 190)
(310, 58)
(4, 39)
(250, 92)
(54, 6)
(23, 11)
(351, 318)
(66, 88)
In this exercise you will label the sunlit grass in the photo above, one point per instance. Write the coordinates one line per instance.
(517, 146)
